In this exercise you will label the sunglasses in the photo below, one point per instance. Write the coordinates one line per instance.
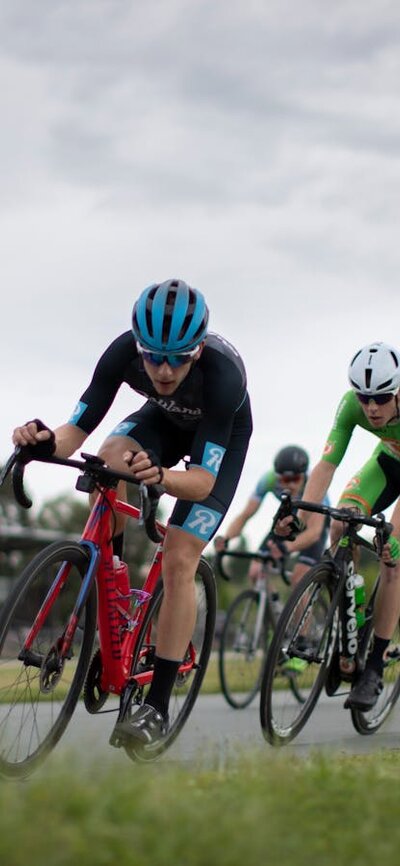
(290, 476)
(176, 359)
(379, 399)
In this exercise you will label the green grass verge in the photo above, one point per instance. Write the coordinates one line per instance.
(265, 808)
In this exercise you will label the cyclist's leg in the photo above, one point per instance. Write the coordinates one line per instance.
(191, 527)
(308, 557)
(372, 490)
(146, 428)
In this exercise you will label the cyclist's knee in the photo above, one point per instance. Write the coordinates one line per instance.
(113, 448)
(181, 556)
(298, 572)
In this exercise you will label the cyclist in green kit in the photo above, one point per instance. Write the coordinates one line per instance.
(373, 404)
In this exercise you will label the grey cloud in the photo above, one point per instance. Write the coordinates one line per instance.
(203, 103)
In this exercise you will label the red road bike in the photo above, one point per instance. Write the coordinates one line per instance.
(66, 626)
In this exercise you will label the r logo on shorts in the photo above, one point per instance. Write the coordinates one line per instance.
(202, 521)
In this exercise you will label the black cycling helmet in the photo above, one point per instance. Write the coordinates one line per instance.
(170, 317)
(291, 460)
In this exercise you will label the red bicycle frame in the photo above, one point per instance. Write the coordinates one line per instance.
(116, 644)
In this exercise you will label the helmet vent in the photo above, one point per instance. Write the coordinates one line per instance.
(368, 375)
(396, 363)
(148, 310)
(170, 317)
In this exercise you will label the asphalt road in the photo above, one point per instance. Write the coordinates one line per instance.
(215, 731)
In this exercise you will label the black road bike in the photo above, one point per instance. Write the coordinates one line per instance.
(319, 625)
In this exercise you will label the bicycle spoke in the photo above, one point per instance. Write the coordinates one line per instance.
(37, 691)
(369, 722)
(242, 648)
(299, 654)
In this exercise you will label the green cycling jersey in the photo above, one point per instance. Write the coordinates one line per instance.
(350, 415)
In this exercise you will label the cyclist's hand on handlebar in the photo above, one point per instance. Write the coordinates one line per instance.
(145, 466)
(35, 439)
(391, 552)
(277, 549)
(220, 543)
(283, 527)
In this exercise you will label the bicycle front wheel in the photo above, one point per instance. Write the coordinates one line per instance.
(369, 722)
(38, 690)
(187, 684)
(242, 649)
(301, 649)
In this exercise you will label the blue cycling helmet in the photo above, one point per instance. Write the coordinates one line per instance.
(170, 317)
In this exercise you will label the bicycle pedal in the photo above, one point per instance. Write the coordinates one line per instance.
(116, 740)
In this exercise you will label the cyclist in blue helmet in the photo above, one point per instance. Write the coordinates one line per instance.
(196, 406)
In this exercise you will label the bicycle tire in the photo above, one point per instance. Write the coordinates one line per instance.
(307, 611)
(187, 686)
(240, 662)
(37, 699)
(368, 722)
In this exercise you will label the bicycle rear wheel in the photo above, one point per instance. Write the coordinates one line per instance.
(38, 692)
(242, 649)
(187, 685)
(301, 647)
(369, 722)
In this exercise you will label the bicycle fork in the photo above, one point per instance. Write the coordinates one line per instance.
(61, 650)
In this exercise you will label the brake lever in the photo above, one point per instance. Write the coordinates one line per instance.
(9, 464)
(382, 535)
(284, 510)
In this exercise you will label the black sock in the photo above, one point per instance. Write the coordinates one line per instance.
(375, 658)
(118, 545)
(165, 671)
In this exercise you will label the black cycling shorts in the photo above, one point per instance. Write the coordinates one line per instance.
(150, 427)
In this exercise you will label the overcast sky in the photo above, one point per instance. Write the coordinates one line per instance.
(252, 149)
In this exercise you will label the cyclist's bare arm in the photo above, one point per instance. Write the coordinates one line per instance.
(314, 491)
(387, 553)
(309, 536)
(395, 519)
(318, 482)
(68, 439)
(236, 526)
(195, 483)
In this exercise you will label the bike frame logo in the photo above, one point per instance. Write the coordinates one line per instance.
(202, 521)
(351, 622)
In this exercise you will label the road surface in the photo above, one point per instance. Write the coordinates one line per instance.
(215, 731)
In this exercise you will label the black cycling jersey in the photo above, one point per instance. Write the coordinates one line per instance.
(207, 418)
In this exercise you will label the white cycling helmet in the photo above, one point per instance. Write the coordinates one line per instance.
(375, 369)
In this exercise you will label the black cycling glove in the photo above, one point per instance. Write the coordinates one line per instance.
(155, 461)
(41, 449)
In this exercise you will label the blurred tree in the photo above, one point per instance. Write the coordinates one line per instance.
(12, 517)
(67, 514)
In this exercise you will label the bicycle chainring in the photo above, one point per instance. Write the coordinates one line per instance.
(93, 696)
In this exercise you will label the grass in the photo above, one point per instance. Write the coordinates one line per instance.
(262, 808)
(211, 683)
